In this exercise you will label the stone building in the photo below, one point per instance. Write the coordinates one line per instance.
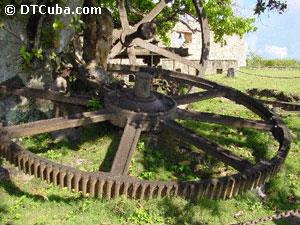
(221, 58)
(231, 55)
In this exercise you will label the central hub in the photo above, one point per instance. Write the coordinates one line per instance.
(140, 104)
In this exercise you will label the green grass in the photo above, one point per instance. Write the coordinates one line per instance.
(31, 201)
(245, 81)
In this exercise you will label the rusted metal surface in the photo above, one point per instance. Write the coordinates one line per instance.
(289, 106)
(42, 94)
(166, 53)
(144, 53)
(275, 217)
(127, 31)
(198, 96)
(126, 148)
(145, 29)
(109, 185)
(288, 102)
(60, 123)
(224, 120)
(207, 146)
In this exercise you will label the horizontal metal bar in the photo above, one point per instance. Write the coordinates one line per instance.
(198, 96)
(224, 120)
(209, 147)
(50, 125)
(43, 94)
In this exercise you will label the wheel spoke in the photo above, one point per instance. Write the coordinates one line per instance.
(209, 147)
(132, 56)
(123, 15)
(43, 94)
(198, 96)
(288, 106)
(152, 14)
(126, 148)
(60, 123)
(116, 34)
(117, 49)
(224, 120)
(166, 53)
(164, 74)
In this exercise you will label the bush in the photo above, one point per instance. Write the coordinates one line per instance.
(258, 61)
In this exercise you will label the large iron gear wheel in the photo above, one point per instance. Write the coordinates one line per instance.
(143, 110)
(136, 120)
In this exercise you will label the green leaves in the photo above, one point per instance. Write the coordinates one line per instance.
(263, 5)
(53, 155)
(94, 104)
(29, 55)
(221, 16)
(38, 53)
(76, 23)
(57, 25)
(223, 21)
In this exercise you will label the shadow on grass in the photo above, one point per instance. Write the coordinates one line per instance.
(168, 154)
(186, 214)
(226, 136)
(106, 164)
(13, 190)
(292, 220)
(164, 154)
(45, 142)
(296, 131)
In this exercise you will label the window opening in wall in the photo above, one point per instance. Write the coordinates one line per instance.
(188, 37)
(219, 71)
(131, 78)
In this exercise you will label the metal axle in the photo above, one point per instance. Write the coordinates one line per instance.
(143, 85)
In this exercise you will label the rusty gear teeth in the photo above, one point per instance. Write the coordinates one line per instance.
(107, 185)
(116, 183)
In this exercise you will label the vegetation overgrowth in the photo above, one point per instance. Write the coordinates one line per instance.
(26, 200)
(259, 61)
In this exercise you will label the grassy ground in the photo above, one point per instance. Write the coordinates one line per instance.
(26, 200)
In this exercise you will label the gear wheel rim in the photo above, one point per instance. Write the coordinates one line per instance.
(103, 184)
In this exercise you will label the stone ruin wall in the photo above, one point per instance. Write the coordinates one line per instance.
(14, 108)
(10, 50)
(232, 55)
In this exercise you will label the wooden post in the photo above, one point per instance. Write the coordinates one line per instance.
(231, 72)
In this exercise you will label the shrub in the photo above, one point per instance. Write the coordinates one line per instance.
(258, 61)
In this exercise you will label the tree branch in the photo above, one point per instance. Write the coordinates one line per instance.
(189, 27)
(205, 34)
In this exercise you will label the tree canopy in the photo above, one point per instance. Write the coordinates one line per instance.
(221, 17)
(220, 13)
